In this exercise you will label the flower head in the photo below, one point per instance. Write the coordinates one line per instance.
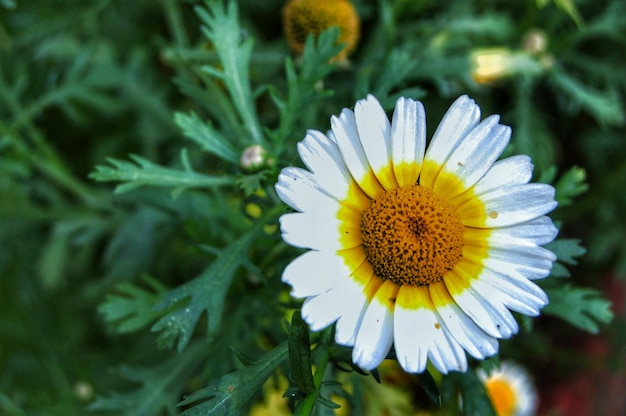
(301, 17)
(511, 390)
(428, 250)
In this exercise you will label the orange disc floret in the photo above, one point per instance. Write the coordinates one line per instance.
(301, 17)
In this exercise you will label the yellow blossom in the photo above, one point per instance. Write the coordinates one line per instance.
(301, 17)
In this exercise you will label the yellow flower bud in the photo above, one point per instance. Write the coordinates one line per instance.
(301, 17)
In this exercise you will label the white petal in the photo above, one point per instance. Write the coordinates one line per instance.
(539, 231)
(447, 355)
(475, 154)
(322, 310)
(314, 272)
(349, 322)
(323, 158)
(411, 338)
(469, 336)
(345, 131)
(530, 268)
(514, 170)
(299, 189)
(492, 318)
(419, 334)
(374, 132)
(319, 230)
(375, 336)
(514, 291)
(510, 206)
(458, 121)
(522, 253)
(408, 140)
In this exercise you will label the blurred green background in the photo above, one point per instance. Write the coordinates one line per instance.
(82, 81)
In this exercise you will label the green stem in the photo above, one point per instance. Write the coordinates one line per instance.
(306, 409)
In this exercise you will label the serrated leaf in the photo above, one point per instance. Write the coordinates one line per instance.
(303, 85)
(566, 250)
(221, 27)
(604, 106)
(231, 394)
(559, 270)
(570, 185)
(206, 292)
(474, 398)
(251, 183)
(160, 386)
(133, 308)
(206, 136)
(581, 307)
(300, 353)
(146, 173)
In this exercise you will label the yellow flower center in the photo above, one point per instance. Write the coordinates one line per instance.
(411, 236)
(502, 396)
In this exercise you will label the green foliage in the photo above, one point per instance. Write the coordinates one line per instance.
(304, 85)
(221, 28)
(473, 395)
(206, 136)
(570, 185)
(566, 251)
(582, 307)
(83, 85)
(231, 394)
(205, 292)
(146, 173)
(133, 308)
(159, 388)
(429, 385)
(300, 354)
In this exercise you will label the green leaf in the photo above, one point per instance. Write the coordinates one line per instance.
(570, 185)
(232, 393)
(400, 64)
(8, 4)
(532, 135)
(490, 364)
(145, 173)
(300, 353)
(327, 403)
(429, 385)
(566, 250)
(206, 136)
(206, 292)
(222, 29)
(604, 106)
(133, 308)
(304, 87)
(581, 307)
(475, 401)
(161, 386)
(252, 183)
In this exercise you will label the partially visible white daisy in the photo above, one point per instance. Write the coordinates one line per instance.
(511, 390)
(427, 250)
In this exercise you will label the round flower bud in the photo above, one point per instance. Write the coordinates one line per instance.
(535, 42)
(301, 17)
(253, 158)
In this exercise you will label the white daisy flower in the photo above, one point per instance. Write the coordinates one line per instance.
(511, 390)
(427, 250)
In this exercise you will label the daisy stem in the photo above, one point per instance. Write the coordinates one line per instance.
(306, 409)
